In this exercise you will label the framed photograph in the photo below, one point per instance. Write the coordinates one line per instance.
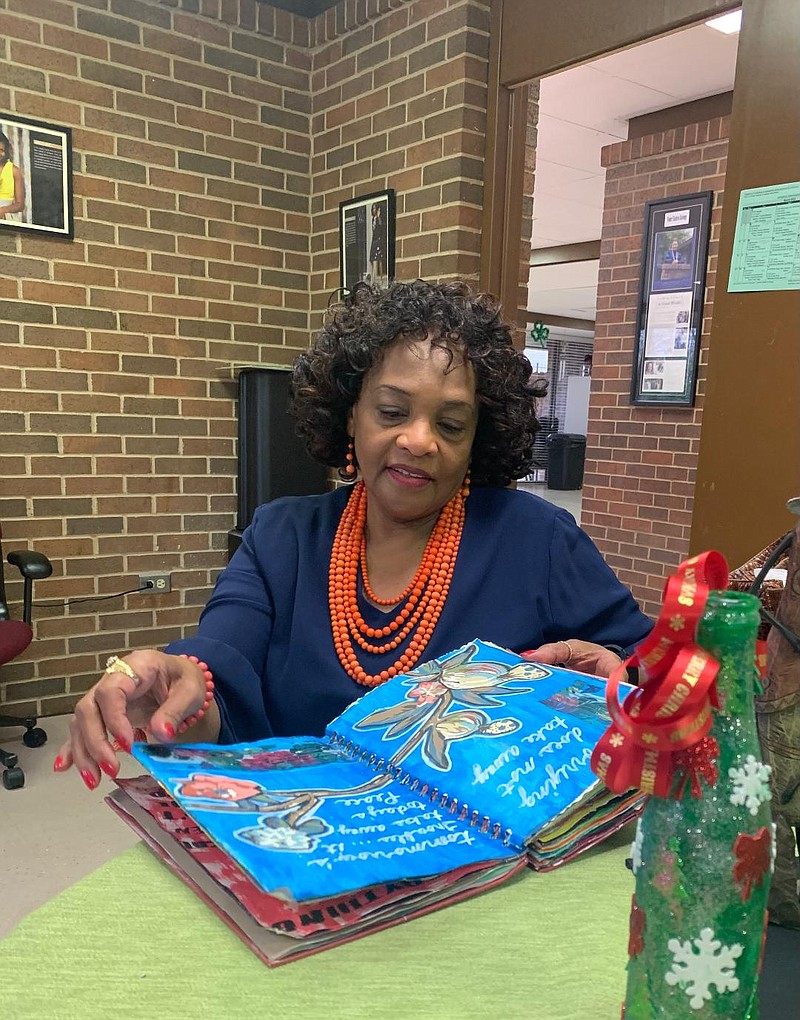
(35, 176)
(671, 295)
(366, 239)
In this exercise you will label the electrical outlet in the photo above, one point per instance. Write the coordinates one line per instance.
(156, 583)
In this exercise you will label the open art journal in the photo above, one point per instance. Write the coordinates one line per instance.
(431, 787)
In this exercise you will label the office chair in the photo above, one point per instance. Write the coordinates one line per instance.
(15, 636)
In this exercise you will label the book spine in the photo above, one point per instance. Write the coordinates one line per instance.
(399, 775)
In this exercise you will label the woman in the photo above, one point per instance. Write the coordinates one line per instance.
(377, 249)
(12, 186)
(419, 393)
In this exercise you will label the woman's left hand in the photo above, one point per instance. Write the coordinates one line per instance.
(584, 656)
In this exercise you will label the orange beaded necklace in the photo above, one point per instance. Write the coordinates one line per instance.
(424, 597)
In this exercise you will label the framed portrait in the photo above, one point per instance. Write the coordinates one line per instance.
(366, 239)
(671, 296)
(35, 176)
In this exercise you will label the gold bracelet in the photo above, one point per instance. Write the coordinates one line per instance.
(116, 665)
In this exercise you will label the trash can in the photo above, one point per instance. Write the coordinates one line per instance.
(566, 452)
(546, 426)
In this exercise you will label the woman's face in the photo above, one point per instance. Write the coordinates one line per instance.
(413, 428)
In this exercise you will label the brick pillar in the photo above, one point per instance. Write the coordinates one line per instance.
(641, 462)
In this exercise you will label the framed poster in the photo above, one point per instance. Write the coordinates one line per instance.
(35, 176)
(671, 295)
(366, 239)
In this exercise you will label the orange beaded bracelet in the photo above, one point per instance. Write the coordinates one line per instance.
(192, 719)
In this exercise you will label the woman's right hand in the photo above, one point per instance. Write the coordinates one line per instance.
(170, 688)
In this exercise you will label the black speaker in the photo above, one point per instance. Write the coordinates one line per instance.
(272, 459)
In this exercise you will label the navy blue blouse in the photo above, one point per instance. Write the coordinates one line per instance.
(525, 575)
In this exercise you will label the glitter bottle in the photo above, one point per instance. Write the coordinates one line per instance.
(703, 857)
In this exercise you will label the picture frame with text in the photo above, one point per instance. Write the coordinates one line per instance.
(35, 177)
(671, 297)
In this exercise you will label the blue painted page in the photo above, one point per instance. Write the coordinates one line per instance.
(508, 738)
(307, 821)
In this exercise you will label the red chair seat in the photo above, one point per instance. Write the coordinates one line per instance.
(15, 636)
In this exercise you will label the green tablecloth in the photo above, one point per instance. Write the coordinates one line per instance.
(131, 941)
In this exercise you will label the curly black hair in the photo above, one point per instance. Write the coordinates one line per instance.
(327, 378)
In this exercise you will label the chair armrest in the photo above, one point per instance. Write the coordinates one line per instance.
(32, 565)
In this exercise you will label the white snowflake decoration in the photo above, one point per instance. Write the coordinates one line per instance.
(750, 784)
(636, 847)
(712, 964)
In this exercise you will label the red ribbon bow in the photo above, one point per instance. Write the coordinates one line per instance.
(670, 711)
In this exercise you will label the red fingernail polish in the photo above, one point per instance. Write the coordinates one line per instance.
(88, 778)
(58, 764)
(169, 729)
(123, 744)
(109, 769)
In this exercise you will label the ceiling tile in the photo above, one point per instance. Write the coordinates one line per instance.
(599, 100)
(569, 289)
(579, 303)
(588, 191)
(687, 65)
(565, 220)
(552, 175)
(571, 145)
(545, 241)
(567, 274)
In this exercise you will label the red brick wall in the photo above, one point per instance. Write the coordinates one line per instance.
(213, 142)
(641, 462)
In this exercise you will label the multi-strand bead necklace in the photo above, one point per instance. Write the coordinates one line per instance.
(422, 599)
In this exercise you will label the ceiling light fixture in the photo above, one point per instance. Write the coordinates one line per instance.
(727, 23)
